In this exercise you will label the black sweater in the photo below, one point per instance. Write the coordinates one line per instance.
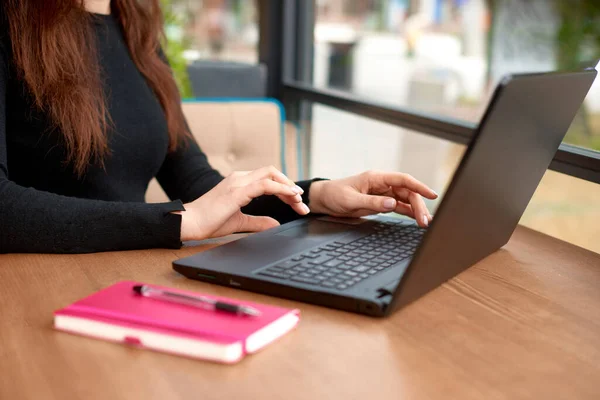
(45, 207)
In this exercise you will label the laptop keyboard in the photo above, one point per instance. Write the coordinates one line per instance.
(342, 265)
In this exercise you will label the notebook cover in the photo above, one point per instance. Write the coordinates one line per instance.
(119, 305)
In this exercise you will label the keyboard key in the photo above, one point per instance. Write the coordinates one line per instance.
(328, 284)
(328, 274)
(335, 253)
(344, 266)
(320, 260)
(360, 260)
(310, 255)
(306, 275)
(352, 263)
(275, 269)
(372, 271)
(380, 268)
(341, 286)
(319, 268)
(287, 264)
(379, 260)
(298, 258)
(275, 274)
(333, 263)
(360, 268)
(310, 281)
(345, 258)
(372, 263)
(350, 273)
(363, 275)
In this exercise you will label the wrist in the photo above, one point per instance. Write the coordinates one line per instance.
(187, 222)
(315, 197)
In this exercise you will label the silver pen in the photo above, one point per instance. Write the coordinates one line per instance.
(195, 301)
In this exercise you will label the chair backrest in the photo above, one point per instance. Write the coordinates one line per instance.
(226, 79)
(239, 135)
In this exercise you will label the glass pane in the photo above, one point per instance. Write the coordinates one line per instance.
(210, 34)
(445, 57)
(214, 29)
(563, 207)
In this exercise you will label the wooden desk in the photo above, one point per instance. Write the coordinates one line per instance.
(524, 323)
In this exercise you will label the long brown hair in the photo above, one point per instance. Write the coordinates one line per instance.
(54, 53)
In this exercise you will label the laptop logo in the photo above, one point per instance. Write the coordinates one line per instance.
(234, 283)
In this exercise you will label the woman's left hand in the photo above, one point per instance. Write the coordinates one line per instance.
(372, 192)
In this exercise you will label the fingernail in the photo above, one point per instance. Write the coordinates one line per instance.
(430, 218)
(425, 220)
(305, 208)
(389, 204)
(298, 189)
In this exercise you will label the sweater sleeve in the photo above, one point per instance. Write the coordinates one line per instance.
(187, 175)
(34, 221)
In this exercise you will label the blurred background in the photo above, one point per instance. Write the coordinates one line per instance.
(440, 59)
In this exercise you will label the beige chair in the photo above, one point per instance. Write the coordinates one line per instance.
(238, 136)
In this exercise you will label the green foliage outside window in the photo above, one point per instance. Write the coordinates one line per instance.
(174, 45)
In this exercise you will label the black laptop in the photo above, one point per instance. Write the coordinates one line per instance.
(376, 265)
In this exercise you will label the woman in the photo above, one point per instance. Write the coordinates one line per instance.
(89, 114)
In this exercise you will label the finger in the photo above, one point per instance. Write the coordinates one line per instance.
(400, 180)
(363, 212)
(403, 196)
(245, 194)
(404, 209)
(274, 174)
(291, 200)
(296, 203)
(421, 213)
(251, 223)
(373, 203)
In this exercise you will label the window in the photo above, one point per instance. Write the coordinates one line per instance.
(204, 36)
(563, 207)
(214, 29)
(445, 57)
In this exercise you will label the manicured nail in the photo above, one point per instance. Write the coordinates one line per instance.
(434, 192)
(298, 189)
(425, 220)
(389, 204)
(305, 208)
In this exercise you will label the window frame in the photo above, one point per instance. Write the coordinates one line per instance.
(290, 45)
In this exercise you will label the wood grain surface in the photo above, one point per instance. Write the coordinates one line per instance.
(522, 324)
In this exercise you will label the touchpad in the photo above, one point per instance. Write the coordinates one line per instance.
(316, 229)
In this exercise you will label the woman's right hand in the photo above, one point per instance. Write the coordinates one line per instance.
(218, 213)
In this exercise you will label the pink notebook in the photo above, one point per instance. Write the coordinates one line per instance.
(117, 314)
